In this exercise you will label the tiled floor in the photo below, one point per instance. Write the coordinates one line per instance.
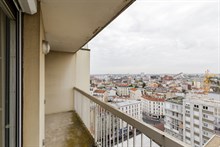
(66, 130)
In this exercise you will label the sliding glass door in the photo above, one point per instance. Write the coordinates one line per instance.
(10, 97)
(2, 74)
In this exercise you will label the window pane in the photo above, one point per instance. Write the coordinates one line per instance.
(2, 71)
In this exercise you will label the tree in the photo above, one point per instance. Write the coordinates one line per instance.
(144, 84)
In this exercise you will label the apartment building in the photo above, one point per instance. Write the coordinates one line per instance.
(101, 94)
(130, 107)
(135, 93)
(201, 119)
(174, 117)
(122, 89)
(153, 107)
(112, 92)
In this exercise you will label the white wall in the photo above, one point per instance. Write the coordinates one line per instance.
(63, 72)
(82, 74)
(60, 79)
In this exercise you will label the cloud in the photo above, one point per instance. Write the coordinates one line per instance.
(159, 37)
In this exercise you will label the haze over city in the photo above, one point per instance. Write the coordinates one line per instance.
(159, 37)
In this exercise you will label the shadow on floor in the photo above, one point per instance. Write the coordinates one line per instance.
(66, 130)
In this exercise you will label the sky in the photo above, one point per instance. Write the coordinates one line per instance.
(160, 37)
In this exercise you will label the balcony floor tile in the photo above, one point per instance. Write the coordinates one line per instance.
(66, 130)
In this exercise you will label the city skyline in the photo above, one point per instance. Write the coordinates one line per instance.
(159, 37)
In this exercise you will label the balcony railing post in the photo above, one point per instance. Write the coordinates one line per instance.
(142, 140)
(127, 135)
(113, 130)
(101, 125)
(122, 132)
(134, 137)
(104, 123)
(118, 124)
(96, 123)
(107, 131)
(110, 132)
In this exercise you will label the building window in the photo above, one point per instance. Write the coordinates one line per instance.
(205, 133)
(205, 107)
(205, 124)
(196, 106)
(187, 138)
(205, 115)
(9, 76)
(204, 141)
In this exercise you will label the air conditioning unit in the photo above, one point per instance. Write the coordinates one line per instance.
(28, 6)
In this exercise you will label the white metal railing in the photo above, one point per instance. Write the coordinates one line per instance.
(111, 127)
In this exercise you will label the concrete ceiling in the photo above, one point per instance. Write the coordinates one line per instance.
(70, 24)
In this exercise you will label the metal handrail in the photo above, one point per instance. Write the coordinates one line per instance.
(161, 138)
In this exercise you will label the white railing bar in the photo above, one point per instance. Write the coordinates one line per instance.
(134, 137)
(101, 122)
(99, 125)
(141, 139)
(106, 128)
(96, 122)
(150, 142)
(110, 132)
(117, 131)
(127, 135)
(159, 137)
(122, 133)
(113, 130)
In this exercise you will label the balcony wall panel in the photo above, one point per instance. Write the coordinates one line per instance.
(63, 72)
(33, 81)
(60, 79)
(82, 76)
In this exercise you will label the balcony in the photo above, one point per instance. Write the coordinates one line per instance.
(109, 126)
(95, 123)
(174, 116)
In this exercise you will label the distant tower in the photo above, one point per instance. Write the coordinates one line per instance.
(207, 82)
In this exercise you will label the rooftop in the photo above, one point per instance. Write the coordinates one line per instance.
(150, 98)
(177, 100)
(210, 99)
(133, 89)
(122, 85)
(125, 103)
(99, 91)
